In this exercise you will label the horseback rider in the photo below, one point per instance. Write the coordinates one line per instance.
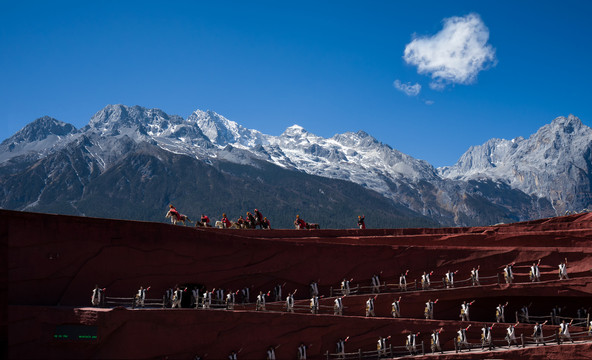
(225, 222)
(299, 223)
(258, 218)
(251, 222)
(241, 222)
(265, 224)
(174, 212)
(205, 221)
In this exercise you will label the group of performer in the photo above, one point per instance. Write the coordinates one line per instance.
(250, 221)
(228, 299)
(173, 297)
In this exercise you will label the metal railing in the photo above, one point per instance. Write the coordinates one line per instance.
(134, 302)
(391, 352)
(357, 289)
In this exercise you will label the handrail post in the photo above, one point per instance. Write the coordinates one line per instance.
(415, 283)
(422, 349)
(327, 354)
(163, 301)
(391, 350)
(103, 296)
(522, 339)
(516, 316)
(557, 337)
(360, 354)
(455, 345)
(498, 278)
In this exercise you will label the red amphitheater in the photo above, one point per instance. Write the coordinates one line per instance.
(55, 261)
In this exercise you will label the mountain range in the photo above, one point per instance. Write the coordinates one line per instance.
(131, 162)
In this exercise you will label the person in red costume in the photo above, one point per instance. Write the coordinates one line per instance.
(258, 218)
(225, 221)
(265, 224)
(361, 223)
(174, 212)
(205, 220)
(299, 223)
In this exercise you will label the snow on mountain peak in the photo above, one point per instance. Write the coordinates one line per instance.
(222, 131)
(37, 138)
(294, 131)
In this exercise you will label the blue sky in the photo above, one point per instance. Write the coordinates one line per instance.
(429, 78)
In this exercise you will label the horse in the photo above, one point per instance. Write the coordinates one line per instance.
(233, 225)
(175, 219)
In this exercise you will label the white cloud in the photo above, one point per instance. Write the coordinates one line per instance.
(429, 102)
(456, 54)
(410, 90)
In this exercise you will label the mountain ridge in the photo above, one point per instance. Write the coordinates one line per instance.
(455, 195)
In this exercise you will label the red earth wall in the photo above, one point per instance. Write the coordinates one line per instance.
(54, 262)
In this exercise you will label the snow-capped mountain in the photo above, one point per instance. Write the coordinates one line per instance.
(37, 138)
(502, 180)
(554, 163)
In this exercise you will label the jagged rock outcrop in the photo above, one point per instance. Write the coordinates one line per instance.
(554, 163)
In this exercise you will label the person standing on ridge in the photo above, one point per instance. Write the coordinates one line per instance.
(361, 222)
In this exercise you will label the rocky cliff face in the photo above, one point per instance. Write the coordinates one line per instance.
(554, 163)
